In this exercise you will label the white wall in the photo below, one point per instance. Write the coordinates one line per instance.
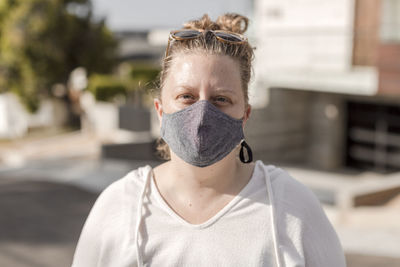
(305, 34)
(15, 120)
(308, 44)
(13, 117)
(390, 23)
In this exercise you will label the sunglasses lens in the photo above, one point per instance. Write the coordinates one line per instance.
(229, 37)
(186, 34)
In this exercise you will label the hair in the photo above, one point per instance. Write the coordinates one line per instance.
(207, 43)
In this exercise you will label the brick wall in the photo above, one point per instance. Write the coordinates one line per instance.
(366, 32)
(389, 69)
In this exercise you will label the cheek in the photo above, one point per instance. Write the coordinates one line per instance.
(235, 111)
(169, 105)
(238, 110)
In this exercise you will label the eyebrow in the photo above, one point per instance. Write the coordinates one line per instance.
(223, 90)
(182, 87)
(219, 90)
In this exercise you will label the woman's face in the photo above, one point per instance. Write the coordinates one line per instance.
(194, 77)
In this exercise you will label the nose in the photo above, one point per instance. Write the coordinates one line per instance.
(205, 95)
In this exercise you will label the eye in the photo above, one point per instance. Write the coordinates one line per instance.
(222, 100)
(186, 98)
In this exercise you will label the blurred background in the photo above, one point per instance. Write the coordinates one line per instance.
(76, 78)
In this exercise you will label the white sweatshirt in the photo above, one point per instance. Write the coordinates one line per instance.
(273, 221)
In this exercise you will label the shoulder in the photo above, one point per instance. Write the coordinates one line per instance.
(128, 186)
(109, 219)
(302, 222)
(294, 203)
(118, 200)
(132, 181)
(289, 193)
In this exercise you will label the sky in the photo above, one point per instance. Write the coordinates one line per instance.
(122, 15)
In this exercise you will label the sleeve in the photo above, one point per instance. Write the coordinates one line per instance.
(320, 242)
(90, 248)
(307, 238)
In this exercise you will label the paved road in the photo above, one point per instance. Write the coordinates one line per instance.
(40, 222)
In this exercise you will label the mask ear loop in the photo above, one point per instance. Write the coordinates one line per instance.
(243, 145)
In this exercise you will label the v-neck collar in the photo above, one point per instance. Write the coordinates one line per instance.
(243, 192)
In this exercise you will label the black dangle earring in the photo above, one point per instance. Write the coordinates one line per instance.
(243, 145)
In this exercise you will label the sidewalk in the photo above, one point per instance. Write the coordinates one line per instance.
(90, 174)
(71, 144)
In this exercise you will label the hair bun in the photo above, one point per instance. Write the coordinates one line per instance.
(229, 22)
(205, 23)
(233, 22)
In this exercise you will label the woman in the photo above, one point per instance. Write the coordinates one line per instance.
(209, 205)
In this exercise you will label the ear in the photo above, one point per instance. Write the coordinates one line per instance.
(246, 114)
(159, 109)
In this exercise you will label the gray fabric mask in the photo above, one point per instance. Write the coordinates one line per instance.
(201, 134)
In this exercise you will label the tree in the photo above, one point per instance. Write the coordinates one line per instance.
(42, 41)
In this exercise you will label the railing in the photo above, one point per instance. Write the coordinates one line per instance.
(373, 136)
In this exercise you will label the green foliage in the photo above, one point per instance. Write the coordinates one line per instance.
(42, 41)
(139, 78)
(107, 87)
(144, 75)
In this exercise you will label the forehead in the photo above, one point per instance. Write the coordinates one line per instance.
(204, 70)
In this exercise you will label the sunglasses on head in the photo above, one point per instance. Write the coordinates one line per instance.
(222, 36)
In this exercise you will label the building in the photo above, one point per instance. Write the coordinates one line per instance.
(332, 72)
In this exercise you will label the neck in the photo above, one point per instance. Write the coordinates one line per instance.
(218, 177)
